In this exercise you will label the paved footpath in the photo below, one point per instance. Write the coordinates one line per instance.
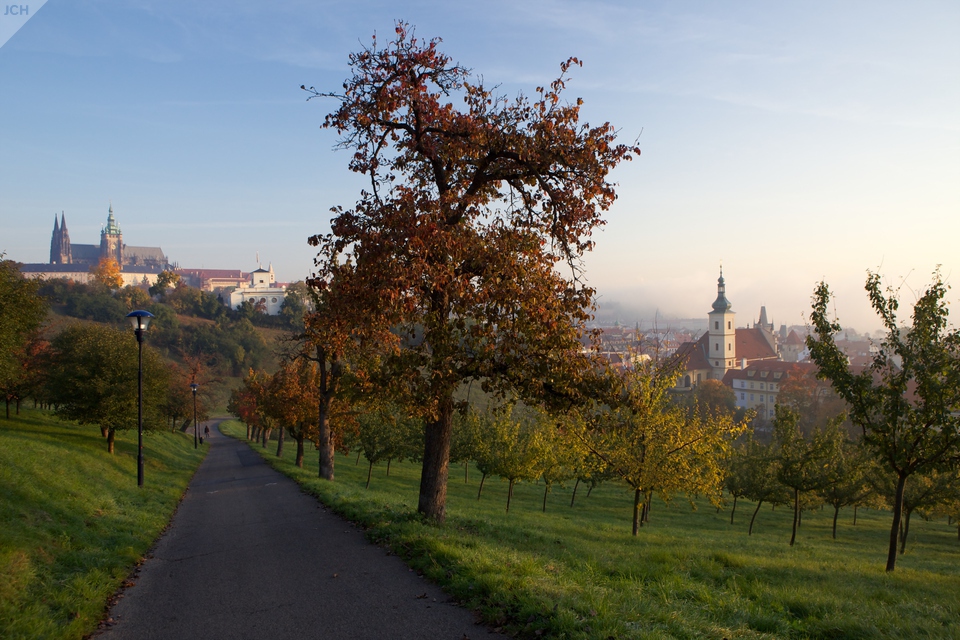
(248, 555)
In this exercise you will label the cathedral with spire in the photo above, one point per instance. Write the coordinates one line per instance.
(73, 261)
(63, 252)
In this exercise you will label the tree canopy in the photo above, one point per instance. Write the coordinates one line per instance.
(452, 257)
(907, 401)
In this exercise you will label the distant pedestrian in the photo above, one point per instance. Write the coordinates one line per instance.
(206, 431)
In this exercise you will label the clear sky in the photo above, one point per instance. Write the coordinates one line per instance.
(792, 141)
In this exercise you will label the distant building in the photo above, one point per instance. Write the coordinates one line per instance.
(138, 265)
(262, 290)
(213, 279)
(757, 386)
(724, 347)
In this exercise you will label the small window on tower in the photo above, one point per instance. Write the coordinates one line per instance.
(728, 324)
(716, 325)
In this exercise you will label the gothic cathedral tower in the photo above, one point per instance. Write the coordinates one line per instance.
(60, 242)
(111, 239)
(723, 335)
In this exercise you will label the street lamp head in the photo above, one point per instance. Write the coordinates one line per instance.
(140, 320)
(194, 386)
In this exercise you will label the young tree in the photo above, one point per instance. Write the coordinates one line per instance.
(657, 446)
(758, 465)
(907, 402)
(94, 380)
(474, 199)
(846, 480)
(805, 464)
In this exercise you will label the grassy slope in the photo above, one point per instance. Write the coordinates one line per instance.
(74, 522)
(577, 573)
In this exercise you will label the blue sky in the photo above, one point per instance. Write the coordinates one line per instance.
(793, 141)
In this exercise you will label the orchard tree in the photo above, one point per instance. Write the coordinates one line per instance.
(93, 380)
(806, 464)
(21, 313)
(452, 255)
(655, 445)
(907, 402)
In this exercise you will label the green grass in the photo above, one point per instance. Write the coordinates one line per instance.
(577, 572)
(73, 523)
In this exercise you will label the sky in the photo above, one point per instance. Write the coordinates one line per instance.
(789, 142)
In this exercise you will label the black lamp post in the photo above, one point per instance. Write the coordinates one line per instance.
(193, 387)
(140, 321)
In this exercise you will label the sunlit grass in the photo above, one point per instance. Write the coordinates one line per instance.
(577, 572)
(74, 522)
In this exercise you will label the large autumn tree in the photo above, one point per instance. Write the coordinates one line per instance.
(464, 252)
(907, 402)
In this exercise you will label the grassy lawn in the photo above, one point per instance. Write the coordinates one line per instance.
(577, 572)
(74, 523)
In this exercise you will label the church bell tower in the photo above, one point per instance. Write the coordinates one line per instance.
(723, 335)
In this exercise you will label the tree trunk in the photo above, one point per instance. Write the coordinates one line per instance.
(436, 462)
(836, 513)
(280, 442)
(104, 432)
(643, 513)
(646, 508)
(755, 512)
(479, 491)
(111, 437)
(546, 490)
(796, 515)
(249, 432)
(300, 451)
(326, 439)
(590, 490)
(906, 531)
(636, 512)
(574, 496)
(854, 515)
(18, 405)
(357, 463)
(895, 525)
(509, 493)
(369, 474)
(734, 510)
(389, 460)
(266, 437)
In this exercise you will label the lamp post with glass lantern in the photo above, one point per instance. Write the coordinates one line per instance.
(193, 387)
(140, 321)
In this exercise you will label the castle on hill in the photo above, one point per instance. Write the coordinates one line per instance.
(142, 265)
(63, 252)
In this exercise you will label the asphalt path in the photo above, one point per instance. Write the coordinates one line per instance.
(248, 555)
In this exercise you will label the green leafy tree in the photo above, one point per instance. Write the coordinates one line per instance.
(907, 402)
(846, 480)
(93, 380)
(805, 464)
(165, 280)
(657, 446)
(757, 466)
(21, 313)
(451, 256)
